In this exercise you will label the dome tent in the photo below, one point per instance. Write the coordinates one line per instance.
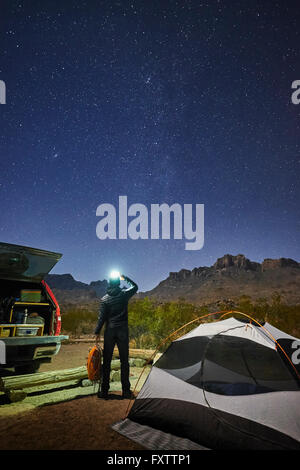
(224, 385)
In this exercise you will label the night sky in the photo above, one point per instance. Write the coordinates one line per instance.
(162, 101)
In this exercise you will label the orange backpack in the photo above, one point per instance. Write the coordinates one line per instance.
(94, 364)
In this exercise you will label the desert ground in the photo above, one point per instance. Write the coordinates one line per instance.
(80, 422)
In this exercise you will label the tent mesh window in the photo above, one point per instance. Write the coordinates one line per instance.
(228, 365)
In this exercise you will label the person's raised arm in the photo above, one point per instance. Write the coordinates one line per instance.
(133, 286)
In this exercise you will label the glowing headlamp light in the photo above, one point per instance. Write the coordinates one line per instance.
(114, 275)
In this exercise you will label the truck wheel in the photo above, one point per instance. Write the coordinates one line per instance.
(27, 368)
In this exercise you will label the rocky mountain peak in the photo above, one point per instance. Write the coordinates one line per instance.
(239, 261)
(279, 263)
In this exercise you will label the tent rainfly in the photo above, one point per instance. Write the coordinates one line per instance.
(223, 385)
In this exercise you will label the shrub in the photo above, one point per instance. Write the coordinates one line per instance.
(151, 321)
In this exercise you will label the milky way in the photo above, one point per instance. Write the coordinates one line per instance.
(161, 101)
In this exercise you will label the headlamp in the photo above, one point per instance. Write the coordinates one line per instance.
(114, 275)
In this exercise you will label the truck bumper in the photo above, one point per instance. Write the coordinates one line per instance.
(20, 350)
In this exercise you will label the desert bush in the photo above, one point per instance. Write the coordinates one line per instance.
(150, 321)
(78, 321)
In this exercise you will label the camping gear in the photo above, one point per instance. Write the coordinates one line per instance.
(228, 385)
(18, 317)
(94, 364)
(4, 332)
(26, 331)
(30, 295)
(25, 316)
(35, 318)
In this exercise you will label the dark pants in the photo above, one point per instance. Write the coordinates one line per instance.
(116, 336)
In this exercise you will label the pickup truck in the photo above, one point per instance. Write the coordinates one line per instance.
(30, 320)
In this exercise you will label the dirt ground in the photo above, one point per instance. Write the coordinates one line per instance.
(80, 424)
(70, 355)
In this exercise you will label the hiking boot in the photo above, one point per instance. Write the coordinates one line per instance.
(128, 395)
(103, 395)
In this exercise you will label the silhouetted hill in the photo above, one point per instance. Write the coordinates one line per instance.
(69, 291)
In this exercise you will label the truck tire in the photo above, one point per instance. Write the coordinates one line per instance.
(30, 368)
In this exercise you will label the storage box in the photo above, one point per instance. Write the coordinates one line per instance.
(30, 295)
(26, 330)
(4, 332)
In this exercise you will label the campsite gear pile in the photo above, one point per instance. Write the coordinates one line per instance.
(228, 384)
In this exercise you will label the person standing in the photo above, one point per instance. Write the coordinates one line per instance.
(114, 315)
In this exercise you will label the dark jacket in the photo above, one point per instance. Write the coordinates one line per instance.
(114, 306)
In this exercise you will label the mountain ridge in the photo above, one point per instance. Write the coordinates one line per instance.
(68, 290)
(228, 278)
